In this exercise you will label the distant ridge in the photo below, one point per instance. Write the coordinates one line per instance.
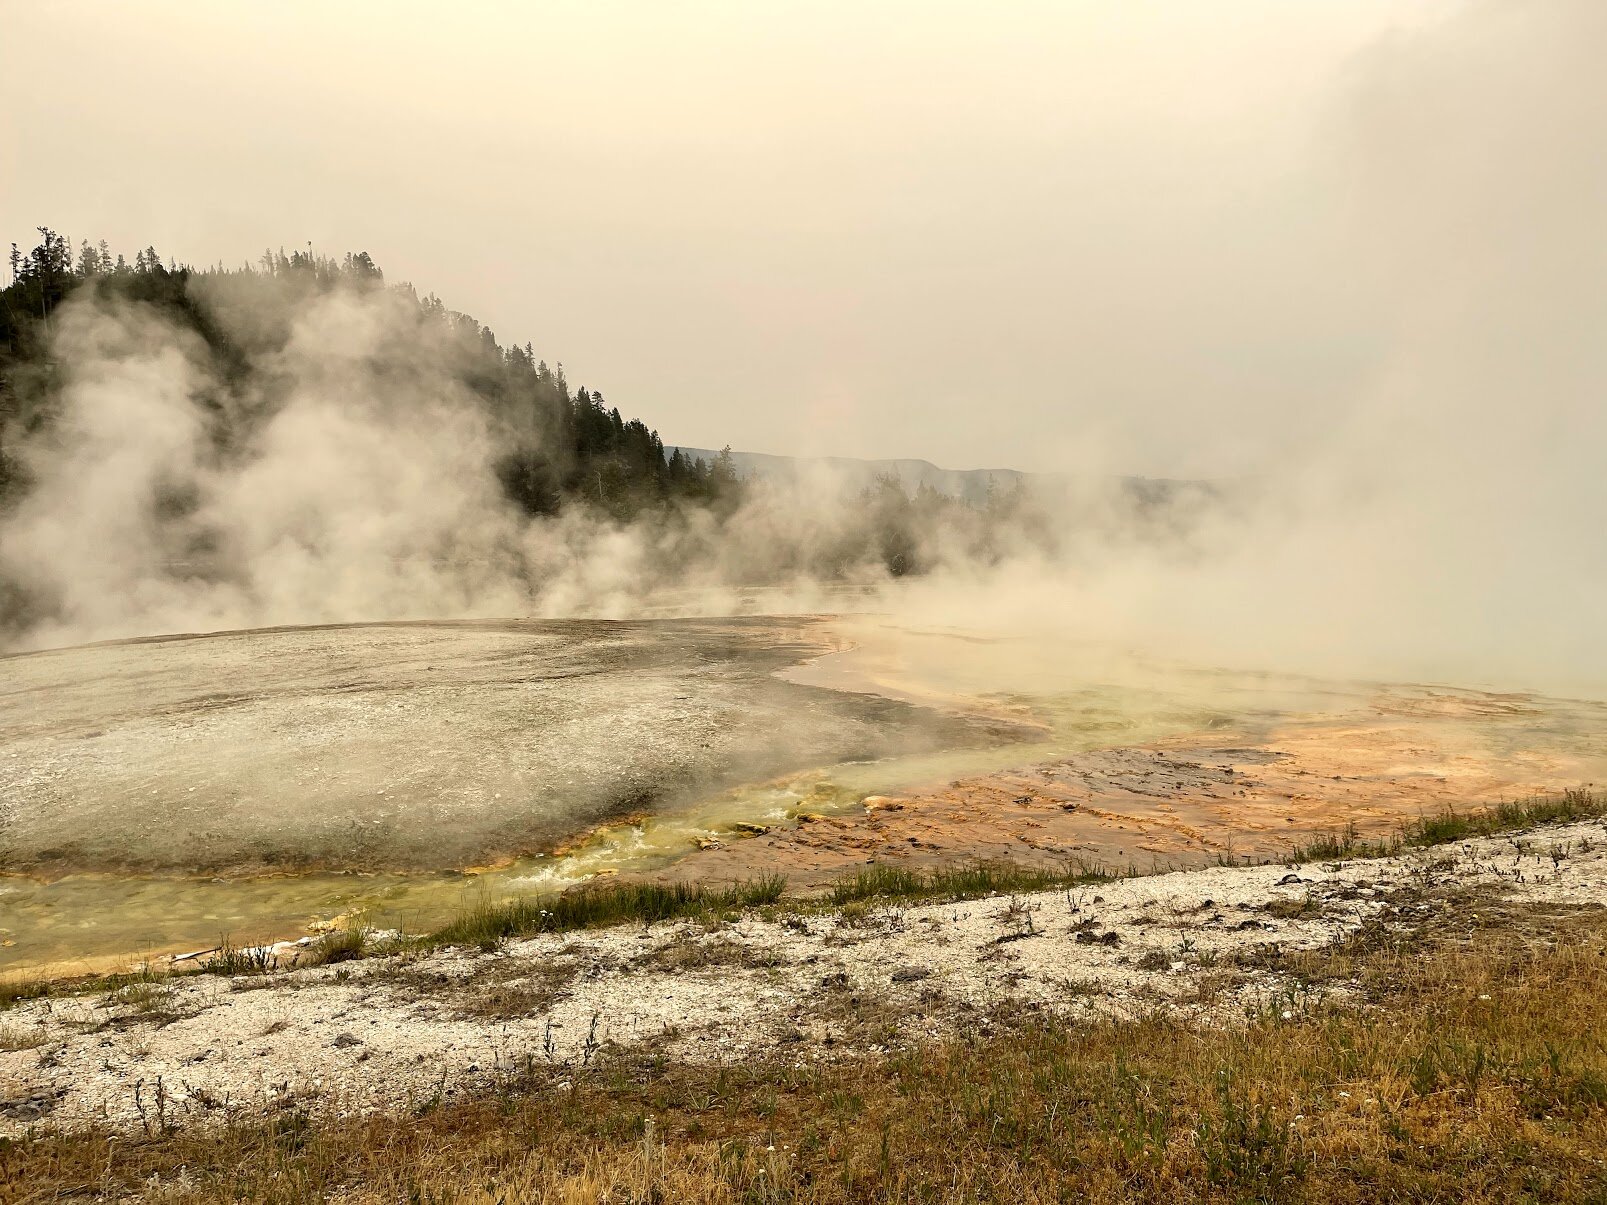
(968, 484)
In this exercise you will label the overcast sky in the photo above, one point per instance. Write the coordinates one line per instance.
(1111, 233)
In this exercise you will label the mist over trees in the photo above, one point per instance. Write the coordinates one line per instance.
(561, 444)
(298, 440)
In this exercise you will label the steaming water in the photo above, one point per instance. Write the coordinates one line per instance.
(91, 921)
(91, 917)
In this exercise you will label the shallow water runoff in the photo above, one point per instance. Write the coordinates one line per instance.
(1043, 708)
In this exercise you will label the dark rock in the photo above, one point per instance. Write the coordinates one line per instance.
(37, 1104)
(1089, 938)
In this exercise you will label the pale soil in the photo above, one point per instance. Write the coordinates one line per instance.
(392, 1032)
(406, 746)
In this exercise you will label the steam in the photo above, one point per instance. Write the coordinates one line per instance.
(1450, 528)
(365, 487)
(367, 490)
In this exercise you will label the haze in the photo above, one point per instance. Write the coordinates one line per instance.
(1351, 253)
(1041, 235)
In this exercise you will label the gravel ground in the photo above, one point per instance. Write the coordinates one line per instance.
(396, 1031)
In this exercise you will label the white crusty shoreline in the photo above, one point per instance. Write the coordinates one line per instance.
(393, 1031)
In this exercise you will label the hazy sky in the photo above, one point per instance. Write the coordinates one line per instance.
(1038, 235)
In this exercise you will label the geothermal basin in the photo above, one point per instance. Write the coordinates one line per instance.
(162, 795)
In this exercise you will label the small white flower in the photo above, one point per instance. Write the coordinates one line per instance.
(1287, 1014)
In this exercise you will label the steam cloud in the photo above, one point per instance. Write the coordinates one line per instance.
(366, 490)
(1453, 527)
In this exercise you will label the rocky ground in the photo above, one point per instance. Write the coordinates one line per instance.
(808, 983)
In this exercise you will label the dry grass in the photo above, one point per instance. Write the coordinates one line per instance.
(1475, 1069)
(146, 999)
(506, 990)
(21, 1037)
(692, 953)
(338, 945)
(18, 989)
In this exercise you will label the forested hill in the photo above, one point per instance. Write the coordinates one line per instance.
(557, 445)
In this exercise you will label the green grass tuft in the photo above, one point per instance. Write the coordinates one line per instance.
(1450, 825)
(487, 923)
(968, 882)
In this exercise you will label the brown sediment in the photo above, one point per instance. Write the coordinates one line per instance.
(579, 840)
(1179, 803)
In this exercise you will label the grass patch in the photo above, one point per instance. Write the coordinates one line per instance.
(1452, 825)
(975, 881)
(488, 923)
(14, 991)
(230, 959)
(146, 998)
(21, 1037)
(504, 991)
(716, 953)
(338, 945)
